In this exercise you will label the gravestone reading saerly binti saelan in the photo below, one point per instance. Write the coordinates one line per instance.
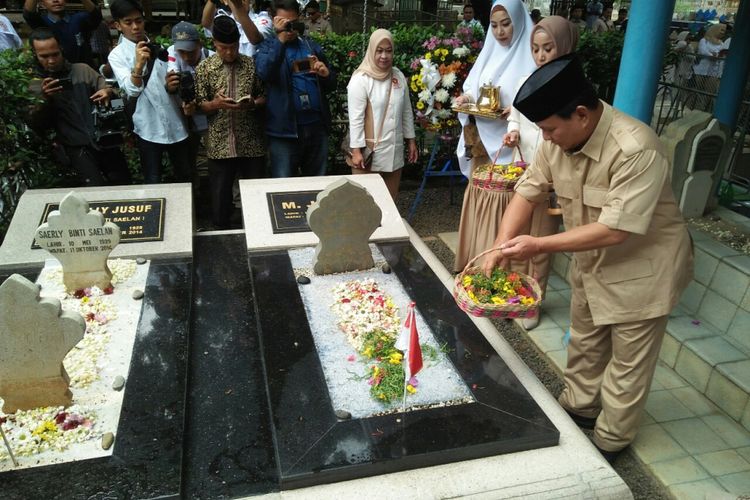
(35, 336)
(80, 239)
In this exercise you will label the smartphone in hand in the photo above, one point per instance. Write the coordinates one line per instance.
(65, 83)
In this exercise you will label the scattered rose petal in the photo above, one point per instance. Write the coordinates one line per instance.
(696, 322)
(413, 381)
(351, 357)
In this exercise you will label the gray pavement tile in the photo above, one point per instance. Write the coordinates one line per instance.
(653, 444)
(685, 328)
(733, 434)
(705, 489)
(737, 483)
(715, 350)
(663, 407)
(720, 463)
(695, 401)
(678, 470)
(695, 436)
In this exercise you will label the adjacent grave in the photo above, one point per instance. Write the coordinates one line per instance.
(154, 220)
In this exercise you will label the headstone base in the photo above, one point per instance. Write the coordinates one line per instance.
(25, 394)
(85, 279)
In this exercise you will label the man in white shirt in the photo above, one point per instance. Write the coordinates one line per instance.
(157, 122)
(9, 39)
(184, 56)
(254, 28)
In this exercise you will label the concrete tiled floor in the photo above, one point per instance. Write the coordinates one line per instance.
(685, 439)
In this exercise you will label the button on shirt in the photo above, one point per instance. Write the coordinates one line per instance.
(619, 178)
(158, 115)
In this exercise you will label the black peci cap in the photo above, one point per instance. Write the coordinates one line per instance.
(551, 88)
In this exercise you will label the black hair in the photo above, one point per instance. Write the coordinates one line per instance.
(622, 11)
(121, 8)
(587, 98)
(43, 33)
(291, 5)
(468, 5)
(313, 4)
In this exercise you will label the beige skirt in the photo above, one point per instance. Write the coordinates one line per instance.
(481, 214)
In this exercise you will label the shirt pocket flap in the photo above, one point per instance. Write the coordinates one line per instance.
(564, 191)
(594, 196)
(626, 271)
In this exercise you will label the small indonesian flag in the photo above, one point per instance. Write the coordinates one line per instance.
(408, 342)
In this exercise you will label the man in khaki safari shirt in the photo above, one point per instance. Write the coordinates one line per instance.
(632, 252)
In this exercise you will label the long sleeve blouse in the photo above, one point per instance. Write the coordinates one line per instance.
(397, 125)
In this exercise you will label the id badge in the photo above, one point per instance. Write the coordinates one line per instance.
(304, 100)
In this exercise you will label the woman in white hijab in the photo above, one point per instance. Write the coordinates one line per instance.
(505, 58)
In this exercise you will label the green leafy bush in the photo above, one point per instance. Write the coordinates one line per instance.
(601, 54)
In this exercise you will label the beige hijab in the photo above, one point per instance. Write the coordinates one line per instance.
(368, 65)
(714, 33)
(563, 32)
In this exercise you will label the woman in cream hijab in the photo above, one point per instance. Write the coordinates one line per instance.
(380, 115)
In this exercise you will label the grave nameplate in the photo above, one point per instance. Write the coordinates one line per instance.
(287, 210)
(138, 220)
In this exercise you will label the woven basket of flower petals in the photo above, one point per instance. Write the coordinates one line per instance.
(495, 177)
(504, 294)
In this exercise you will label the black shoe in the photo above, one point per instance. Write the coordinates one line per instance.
(609, 456)
(581, 421)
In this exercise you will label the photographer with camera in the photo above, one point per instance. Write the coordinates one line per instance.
(71, 93)
(253, 27)
(184, 56)
(229, 91)
(297, 75)
(140, 68)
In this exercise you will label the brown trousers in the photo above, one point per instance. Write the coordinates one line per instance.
(609, 371)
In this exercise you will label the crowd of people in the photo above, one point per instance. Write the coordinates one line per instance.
(259, 103)
(259, 100)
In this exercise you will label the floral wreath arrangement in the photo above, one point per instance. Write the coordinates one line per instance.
(439, 76)
(370, 320)
(503, 294)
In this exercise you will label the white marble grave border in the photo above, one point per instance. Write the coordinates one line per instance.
(257, 220)
(16, 251)
(572, 469)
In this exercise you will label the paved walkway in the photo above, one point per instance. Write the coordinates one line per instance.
(687, 442)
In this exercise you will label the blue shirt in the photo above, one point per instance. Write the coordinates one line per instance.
(305, 91)
(73, 31)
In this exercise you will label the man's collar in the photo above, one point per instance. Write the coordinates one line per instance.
(594, 146)
(55, 19)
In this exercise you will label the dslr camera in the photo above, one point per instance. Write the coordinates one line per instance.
(297, 26)
(157, 51)
(110, 123)
(187, 86)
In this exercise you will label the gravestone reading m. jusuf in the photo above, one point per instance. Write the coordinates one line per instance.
(344, 217)
(35, 336)
(80, 239)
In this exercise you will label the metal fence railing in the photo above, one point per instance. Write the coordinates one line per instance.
(691, 82)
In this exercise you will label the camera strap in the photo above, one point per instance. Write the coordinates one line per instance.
(132, 102)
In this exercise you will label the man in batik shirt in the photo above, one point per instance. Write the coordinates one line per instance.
(230, 93)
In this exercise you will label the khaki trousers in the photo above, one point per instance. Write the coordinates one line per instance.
(609, 371)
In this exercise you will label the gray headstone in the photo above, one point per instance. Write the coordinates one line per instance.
(35, 336)
(80, 239)
(344, 218)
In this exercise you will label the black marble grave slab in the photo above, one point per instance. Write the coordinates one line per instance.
(147, 456)
(228, 444)
(313, 447)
